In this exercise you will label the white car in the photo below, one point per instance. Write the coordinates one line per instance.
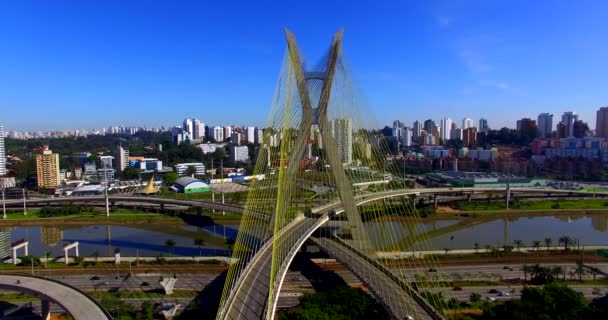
(491, 299)
(504, 294)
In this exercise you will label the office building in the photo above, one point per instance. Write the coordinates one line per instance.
(467, 123)
(235, 138)
(2, 153)
(568, 120)
(469, 136)
(483, 125)
(182, 168)
(579, 129)
(188, 127)
(416, 131)
(146, 164)
(545, 125)
(239, 153)
(526, 124)
(121, 158)
(106, 175)
(106, 161)
(446, 126)
(210, 147)
(342, 131)
(47, 168)
(455, 133)
(601, 124)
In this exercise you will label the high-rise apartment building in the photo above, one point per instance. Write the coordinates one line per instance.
(526, 124)
(483, 125)
(342, 131)
(199, 129)
(2, 153)
(406, 140)
(217, 133)
(469, 136)
(456, 133)
(47, 168)
(601, 124)
(467, 123)
(227, 132)
(446, 127)
(121, 158)
(545, 125)
(252, 135)
(568, 119)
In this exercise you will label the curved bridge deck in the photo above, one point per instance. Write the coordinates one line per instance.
(77, 304)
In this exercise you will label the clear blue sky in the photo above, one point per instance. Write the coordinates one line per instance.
(84, 64)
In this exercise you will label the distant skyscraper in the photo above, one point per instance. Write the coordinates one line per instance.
(446, 126)
(47, 168)
(456, 133)
(568, 119)
(467, 123)
(483, 125)
(416, 131)
(342, 131)
(430, 127)
(227, 132)
(601, 124)
(189, 127)
(545, 125)
(2, 153)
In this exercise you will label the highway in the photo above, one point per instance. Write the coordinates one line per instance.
(77, 304)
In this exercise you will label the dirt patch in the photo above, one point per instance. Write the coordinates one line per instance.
(445, 209)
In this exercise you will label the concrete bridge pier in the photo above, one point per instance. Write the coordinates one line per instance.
(162, 207)
(45, 309)
(14, 248)
(67, 248)
(435, 201)
(469, 196)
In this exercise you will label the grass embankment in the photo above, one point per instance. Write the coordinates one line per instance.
(533, 205)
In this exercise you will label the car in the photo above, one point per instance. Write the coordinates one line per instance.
(408, 317)
(490, 299)
(94, 278)
(493, 291)
(457, 288)
(432, 270)
(504, 294)
(145, 284)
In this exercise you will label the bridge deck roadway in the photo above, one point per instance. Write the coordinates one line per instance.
(251, 298)
(395, 300)
(77, 304)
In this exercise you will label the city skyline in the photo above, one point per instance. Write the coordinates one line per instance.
(142, 70)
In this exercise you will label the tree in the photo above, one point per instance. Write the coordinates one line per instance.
(518, 244)
(170, 244)
(536, 244)
(96, 256)
(170, 178)
(580, 270)
(566, 241)
(476, 246)
(488, 248)
(47, 257)
(130, 173)
(191, 171)
(475, 297)
(548, 243)
(147, 308)
(199, 242)
(527, 269)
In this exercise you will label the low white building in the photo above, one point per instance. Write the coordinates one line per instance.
(181, 168)
(239, 153)
(211, 147)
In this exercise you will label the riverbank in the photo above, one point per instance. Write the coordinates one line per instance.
(117, 217)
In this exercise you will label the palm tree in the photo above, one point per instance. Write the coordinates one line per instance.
(446, 250)
(199, 243)
(580, 270)
(170, 244)
(488, 248)
(536, 244)
(476, 246)
(566, 240)
(548, 243)
(518, 244)
(96, 256)
(47, 256)
(526, 269)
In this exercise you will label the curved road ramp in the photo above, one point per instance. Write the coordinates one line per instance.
(73, 301)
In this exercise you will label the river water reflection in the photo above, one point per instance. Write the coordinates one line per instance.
(462, 234)
(149, 240)
(145, 240)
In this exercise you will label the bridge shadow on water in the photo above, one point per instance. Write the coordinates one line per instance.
(206, 304)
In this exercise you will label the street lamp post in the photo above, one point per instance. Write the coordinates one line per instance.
(24, 204)
(105, 178)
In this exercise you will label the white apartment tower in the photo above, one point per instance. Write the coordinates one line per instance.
(121, 158)
(2, 153)
(446, 126)
(342, 131)
(467, 123)
(217, 133)
(199, 129)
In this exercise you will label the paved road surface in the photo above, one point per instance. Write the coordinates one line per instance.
(80, 306)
